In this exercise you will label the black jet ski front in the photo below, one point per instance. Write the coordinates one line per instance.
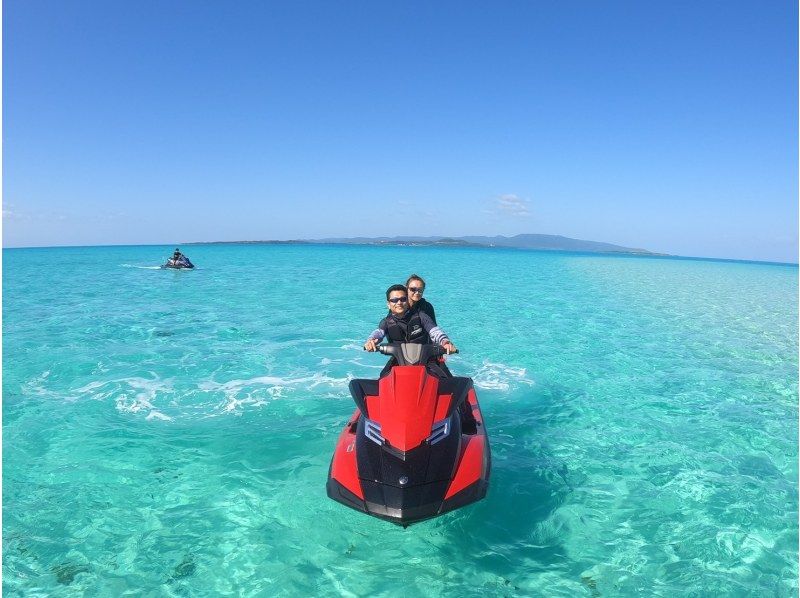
(411, 451)
(179, 265)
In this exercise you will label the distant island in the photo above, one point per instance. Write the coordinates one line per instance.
(525, 241)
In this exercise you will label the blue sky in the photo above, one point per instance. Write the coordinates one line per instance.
(670, 126)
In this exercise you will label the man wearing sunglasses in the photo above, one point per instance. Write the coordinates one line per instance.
(404, 325)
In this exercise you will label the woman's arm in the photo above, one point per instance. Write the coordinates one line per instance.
(377, 336)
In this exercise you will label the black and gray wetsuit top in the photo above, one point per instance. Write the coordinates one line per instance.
(425, 307)
(413, 327)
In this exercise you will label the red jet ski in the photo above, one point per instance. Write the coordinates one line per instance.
(415, 447)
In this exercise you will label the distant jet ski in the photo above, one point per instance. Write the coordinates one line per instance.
(178, 261)
(180, 264)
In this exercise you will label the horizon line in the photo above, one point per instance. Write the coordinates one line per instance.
(320, 242)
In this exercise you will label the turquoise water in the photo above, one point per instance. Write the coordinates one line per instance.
(169, 433)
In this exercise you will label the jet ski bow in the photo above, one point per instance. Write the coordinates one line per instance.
(415, 447)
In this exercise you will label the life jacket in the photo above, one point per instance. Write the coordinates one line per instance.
(407, 329)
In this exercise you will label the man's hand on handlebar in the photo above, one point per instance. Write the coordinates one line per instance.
(371, 345)
(449, 347)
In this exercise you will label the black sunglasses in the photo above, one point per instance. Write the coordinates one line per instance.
(399, 300)
(419, 290)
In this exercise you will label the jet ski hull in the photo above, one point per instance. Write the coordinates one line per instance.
(428, 480)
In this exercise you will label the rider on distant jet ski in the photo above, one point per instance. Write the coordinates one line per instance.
(407, 326)
(178, 260)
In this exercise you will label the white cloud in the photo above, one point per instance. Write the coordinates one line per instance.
(9, 212)
(512, 205)
(109, 216)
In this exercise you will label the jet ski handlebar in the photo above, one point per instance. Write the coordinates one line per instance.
(412, 353)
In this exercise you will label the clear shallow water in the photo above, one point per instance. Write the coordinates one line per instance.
(169, 433)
